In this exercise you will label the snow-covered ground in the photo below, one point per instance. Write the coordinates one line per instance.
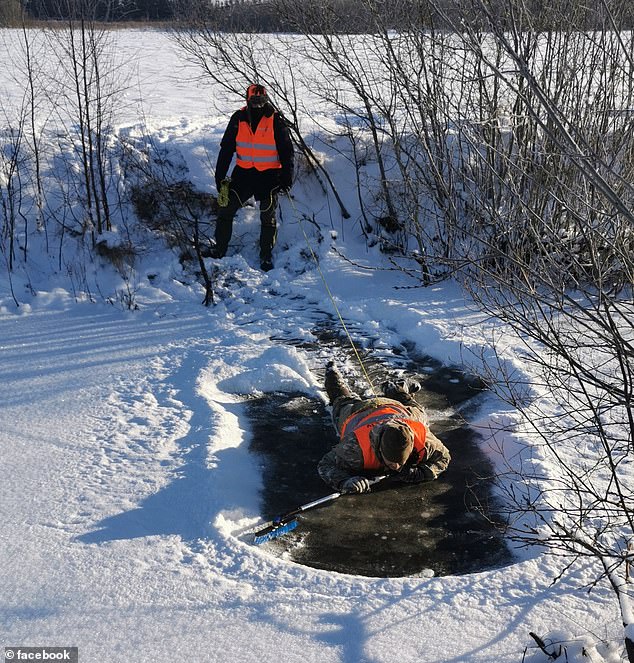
(126, 477)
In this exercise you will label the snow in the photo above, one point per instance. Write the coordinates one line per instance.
(127, 485)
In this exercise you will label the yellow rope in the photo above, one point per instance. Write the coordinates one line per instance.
(332, 299)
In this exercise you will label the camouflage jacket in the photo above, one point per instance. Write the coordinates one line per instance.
(345, 459)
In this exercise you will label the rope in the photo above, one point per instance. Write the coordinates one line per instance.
(332, 299)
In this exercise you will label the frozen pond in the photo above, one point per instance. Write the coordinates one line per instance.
(446, 526)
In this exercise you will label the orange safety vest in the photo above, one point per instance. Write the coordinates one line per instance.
(361, 423)
(257, 150)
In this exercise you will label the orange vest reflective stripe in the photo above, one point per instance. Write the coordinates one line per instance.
(361, 423)
(257, 150)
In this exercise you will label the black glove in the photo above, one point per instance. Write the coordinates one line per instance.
(355, 485)
(218, 182)
(286, 181)
(416, 474)
(394, 388)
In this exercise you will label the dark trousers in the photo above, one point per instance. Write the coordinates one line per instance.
(244, 185)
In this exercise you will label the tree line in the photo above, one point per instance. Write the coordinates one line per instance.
(346, 16)
(15, 11)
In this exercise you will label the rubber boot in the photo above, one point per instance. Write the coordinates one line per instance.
(224, 228)
(268, 235)
(334, 384)
(401, 390)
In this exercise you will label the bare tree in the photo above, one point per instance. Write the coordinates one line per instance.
(29, 57)
(555, 260)
(88, 97)
(14, 221)
(167, 203)
(24, 124)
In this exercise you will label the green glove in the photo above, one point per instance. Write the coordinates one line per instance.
(223, 192)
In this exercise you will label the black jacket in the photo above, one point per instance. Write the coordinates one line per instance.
(283, 142)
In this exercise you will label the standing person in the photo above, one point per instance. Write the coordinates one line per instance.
(260, 139)
(381, 435)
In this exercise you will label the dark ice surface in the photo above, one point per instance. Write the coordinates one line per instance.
(448, 526)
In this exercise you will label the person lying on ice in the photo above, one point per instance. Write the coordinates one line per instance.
(380, 435)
